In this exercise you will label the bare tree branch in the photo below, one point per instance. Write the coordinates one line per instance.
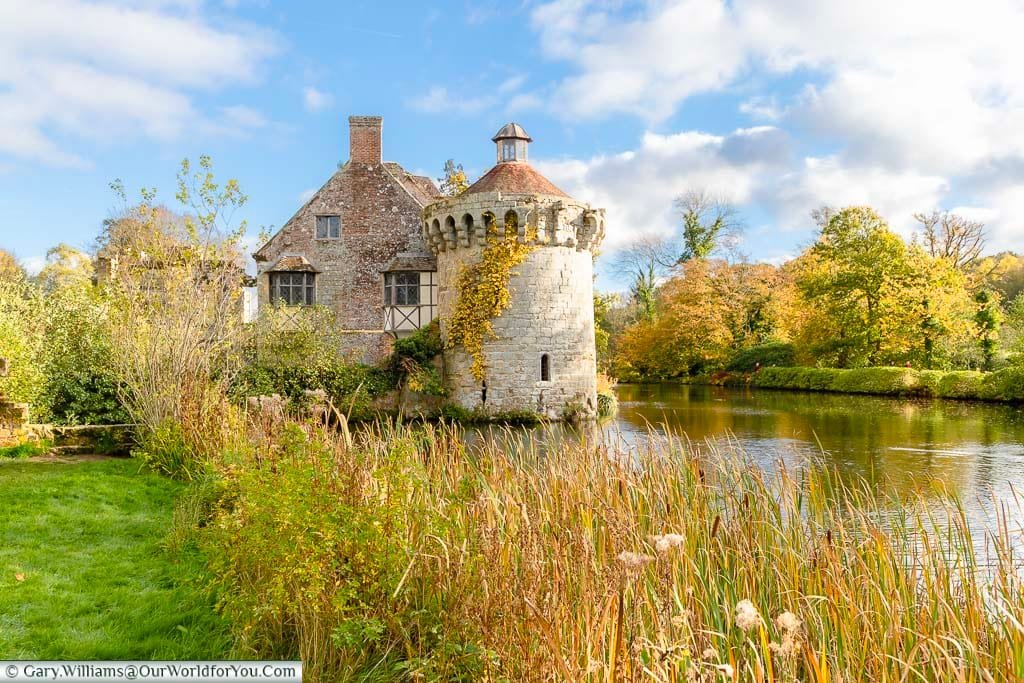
(952, 237)
(710, 223)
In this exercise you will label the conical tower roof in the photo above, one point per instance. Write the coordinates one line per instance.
(516, 177)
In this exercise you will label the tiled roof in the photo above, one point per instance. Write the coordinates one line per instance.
(514, 177)
(408, 261)
(420, 187)
(293, 263)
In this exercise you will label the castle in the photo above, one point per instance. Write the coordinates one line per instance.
(384, 250)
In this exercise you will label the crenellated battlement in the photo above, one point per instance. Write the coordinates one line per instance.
(537, 348)
(464, 221)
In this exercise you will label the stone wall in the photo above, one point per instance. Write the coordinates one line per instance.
(13, 422)
(552, 309)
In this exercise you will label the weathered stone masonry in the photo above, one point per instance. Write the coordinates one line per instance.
(543, 358)
(552, 306)
(379, 204)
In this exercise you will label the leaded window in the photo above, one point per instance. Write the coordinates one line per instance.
(402, 288)
(328, 227)
(293, 289)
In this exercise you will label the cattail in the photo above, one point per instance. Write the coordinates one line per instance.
(633, 560)
(747, 616)
(665, 542)
(787, 621)
(789, 624)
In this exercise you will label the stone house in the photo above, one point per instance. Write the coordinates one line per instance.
(356, 247)
(383, 250)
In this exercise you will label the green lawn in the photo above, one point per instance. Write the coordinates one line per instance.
(95, 582)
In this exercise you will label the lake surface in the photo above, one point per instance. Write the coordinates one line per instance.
(901, 446)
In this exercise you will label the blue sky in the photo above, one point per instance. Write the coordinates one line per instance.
(778, 105)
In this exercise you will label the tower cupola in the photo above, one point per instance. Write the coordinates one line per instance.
(512, 142)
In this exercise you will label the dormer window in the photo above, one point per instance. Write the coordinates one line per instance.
(328, 227)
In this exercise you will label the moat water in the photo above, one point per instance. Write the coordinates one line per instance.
(901, 447)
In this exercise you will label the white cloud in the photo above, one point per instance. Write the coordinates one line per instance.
(315, 100)
(905, 105)
(437, 100)
(506, 96)
(637, 187)
(643, 64)
(511, 84)
(102, 71)
(896, 195)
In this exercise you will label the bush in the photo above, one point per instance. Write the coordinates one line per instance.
(960, 384)
(324, 555)
(1004, 385)
(81, 387)
(888, 381)
(422, 346)
(775, 354)
(347, 385)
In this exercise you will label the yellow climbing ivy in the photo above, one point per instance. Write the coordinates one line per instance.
(484, 294)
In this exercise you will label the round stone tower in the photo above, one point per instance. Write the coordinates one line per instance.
(542, 356)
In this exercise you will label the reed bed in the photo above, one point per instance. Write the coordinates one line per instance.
(401, 553)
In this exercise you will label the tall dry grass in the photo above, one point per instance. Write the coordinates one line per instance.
(401, 553)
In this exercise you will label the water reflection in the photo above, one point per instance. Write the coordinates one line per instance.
(899, 446)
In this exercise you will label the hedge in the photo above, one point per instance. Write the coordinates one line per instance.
(1003, 385)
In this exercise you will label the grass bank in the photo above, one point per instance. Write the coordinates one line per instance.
(399, 554)
(1005, 385)
(83, 574)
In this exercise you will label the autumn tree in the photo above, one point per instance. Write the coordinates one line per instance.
(852, 274)
(708, 310)
(10, 269)
(176, 316)
(65, 266)
(951, 236)
(454, 181)
(708, 223)
(871, 299)
(987, 319)
(1003, 273)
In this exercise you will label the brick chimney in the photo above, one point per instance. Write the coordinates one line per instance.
(364, 139)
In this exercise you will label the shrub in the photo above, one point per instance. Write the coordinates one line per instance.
(1004, 385)
(326, 553)
(422, 346)
(767, 355)
(81, 386)
(351, 387)
(22, 340)
(413, 358)
(960, 384)
(888, 381)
